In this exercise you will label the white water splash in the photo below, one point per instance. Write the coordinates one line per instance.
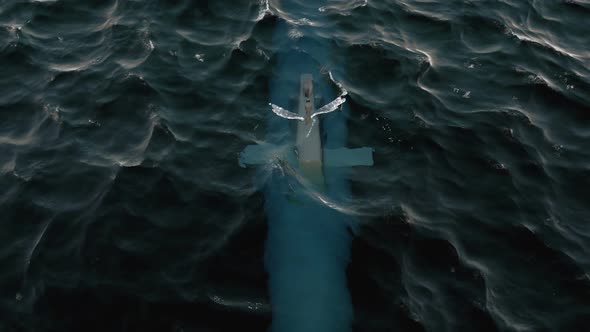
(264, 9)
(313, 121)
(294, 34)
(343, 91)
(283, 113)
(330, 107)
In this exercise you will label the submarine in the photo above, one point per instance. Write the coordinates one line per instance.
(303, 167)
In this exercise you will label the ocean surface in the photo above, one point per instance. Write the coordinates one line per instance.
(123, 207)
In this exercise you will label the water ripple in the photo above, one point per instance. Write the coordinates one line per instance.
(121, 123)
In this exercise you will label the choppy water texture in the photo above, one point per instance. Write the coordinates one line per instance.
(123, 207)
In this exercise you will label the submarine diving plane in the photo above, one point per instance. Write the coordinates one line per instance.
(308, 152)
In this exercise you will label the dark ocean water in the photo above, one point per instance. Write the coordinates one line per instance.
(123, 208)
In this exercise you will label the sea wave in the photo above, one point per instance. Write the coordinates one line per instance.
(121, 124)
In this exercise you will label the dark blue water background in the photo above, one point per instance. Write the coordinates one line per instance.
(123, 208)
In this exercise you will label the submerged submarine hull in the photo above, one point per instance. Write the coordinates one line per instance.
(308, 243)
